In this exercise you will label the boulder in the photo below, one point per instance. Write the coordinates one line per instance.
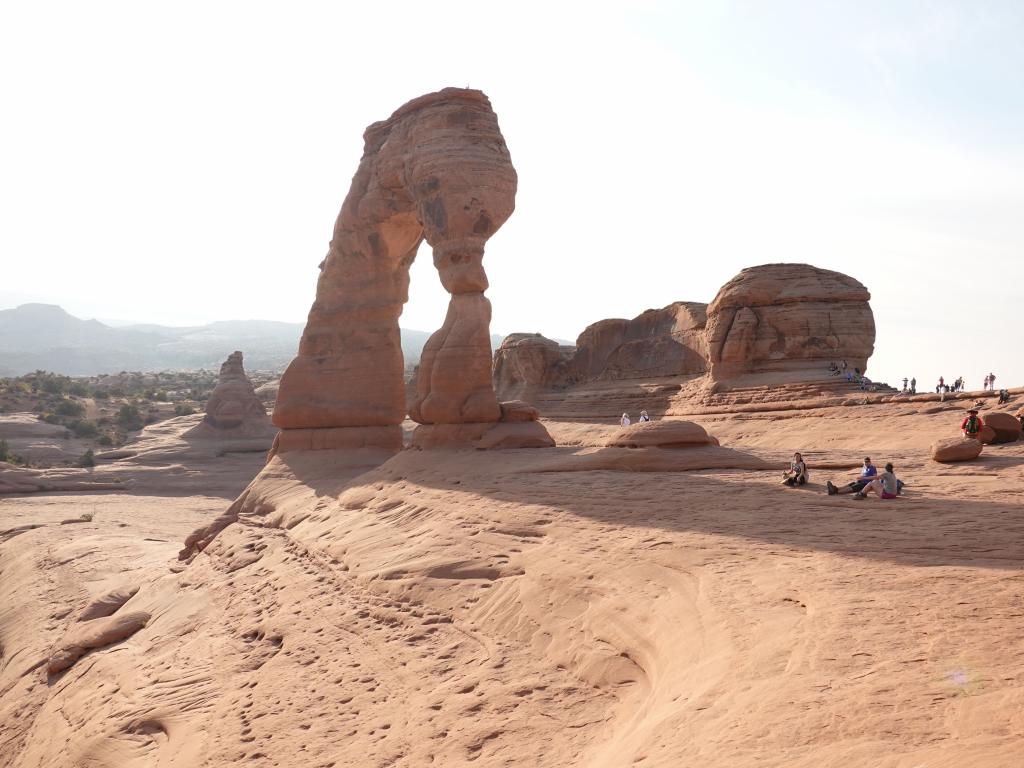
(1005, 427)
(786, 322)
(987, 435)
(528, 362)
(438, 169)
(956, 449)
(661, 434)
(517, 411)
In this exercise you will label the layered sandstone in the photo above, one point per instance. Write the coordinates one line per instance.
(436, 170)
(787, 322)
(233, 409)
(528, 362)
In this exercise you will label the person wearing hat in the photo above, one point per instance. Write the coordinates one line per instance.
(867, 473)
(971, 426)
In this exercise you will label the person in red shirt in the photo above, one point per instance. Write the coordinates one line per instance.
(971, 426)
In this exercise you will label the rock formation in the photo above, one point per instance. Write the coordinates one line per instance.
(786, 322)
(661, 434)
(437, 169)
(528, 362)
(657, 343)
(233, 409)
(1005, 428)
(956, 449)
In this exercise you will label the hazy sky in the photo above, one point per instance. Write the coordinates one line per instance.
(184, 162)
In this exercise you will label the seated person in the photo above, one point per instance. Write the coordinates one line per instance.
(885, 485)
(797, 472)
(1004, 397)
(971, 426)
(867, 474)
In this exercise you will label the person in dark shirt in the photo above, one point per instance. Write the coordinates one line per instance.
(867, 473)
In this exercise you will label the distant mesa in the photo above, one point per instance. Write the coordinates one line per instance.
(437, 170)
(771, 324)
(233, 409)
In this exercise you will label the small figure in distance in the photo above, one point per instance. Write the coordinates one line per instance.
(1004, 397)
(904, 383)
(885, 485)
(797, 472)
(913, 386)
(992, 382)
(624, 421)
(942, 383)
(971, 426)
(644, 416)
(867, 474)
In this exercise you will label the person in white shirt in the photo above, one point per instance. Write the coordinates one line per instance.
(644, 416)
(624, 421)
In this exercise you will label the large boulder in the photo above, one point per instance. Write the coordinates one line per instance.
(528, 362)
(1005, 427)
(661, 434)
(956, 449)
(437, 170)
(786, 323)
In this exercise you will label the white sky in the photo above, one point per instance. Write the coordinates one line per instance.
(184, 162)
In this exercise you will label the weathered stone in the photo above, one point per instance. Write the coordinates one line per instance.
(526, 363)
(233, 408)
(786, 322)
(956, 449)
(517, 411)
(661, 434)
(1005, 427)
(437, 169)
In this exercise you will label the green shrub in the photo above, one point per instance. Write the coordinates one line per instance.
(129, 417)
(161, 396)
(5, 453)
(84, 428)
(105, 440)
(87, 459)
(184, 410)
(71, 408)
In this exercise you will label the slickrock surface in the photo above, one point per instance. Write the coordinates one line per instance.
(437, 169)
(580, 605)
(787, 322)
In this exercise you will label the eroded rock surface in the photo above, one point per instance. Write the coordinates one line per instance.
(233, 406)
(528, 362)
(787, 322)
(437, 169)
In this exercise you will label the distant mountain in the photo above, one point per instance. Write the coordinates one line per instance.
(44, 336)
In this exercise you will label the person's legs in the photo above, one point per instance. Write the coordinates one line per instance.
(851, 488)
(874, 486)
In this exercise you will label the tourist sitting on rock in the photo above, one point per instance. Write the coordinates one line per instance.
(971, 426)
(1004, 397)
(885, 485)
(797, 472)
(867, 474)
(624, 421)
(644, 416)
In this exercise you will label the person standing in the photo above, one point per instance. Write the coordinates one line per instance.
(971, 426)
(913, 386)
(904, 383)
(992, 382)
(624, 421)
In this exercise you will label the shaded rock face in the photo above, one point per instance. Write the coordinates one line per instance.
(1004, 428)
(527, 362)
(437, 169)
(789, 320)
(233, 402)
(659, 342)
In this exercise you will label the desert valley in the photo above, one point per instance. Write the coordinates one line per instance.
(491, 559)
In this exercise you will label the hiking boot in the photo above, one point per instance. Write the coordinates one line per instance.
(832, 490)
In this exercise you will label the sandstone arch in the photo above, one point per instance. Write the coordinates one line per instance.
(436, 170)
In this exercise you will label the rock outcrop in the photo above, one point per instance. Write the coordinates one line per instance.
(234, 409)
(437, 169)
(786, 322)
(956, 449)
(1005, 428)
(657, 343)
(661, 434)
(528, 362)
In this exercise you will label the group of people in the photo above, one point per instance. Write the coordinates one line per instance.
(990, 383)
(910, 389)
(625, 420)
(958, 386)
(886, 485)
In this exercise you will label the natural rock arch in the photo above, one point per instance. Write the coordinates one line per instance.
(436, 170)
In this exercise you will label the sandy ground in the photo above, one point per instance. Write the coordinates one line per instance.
(517, 608)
